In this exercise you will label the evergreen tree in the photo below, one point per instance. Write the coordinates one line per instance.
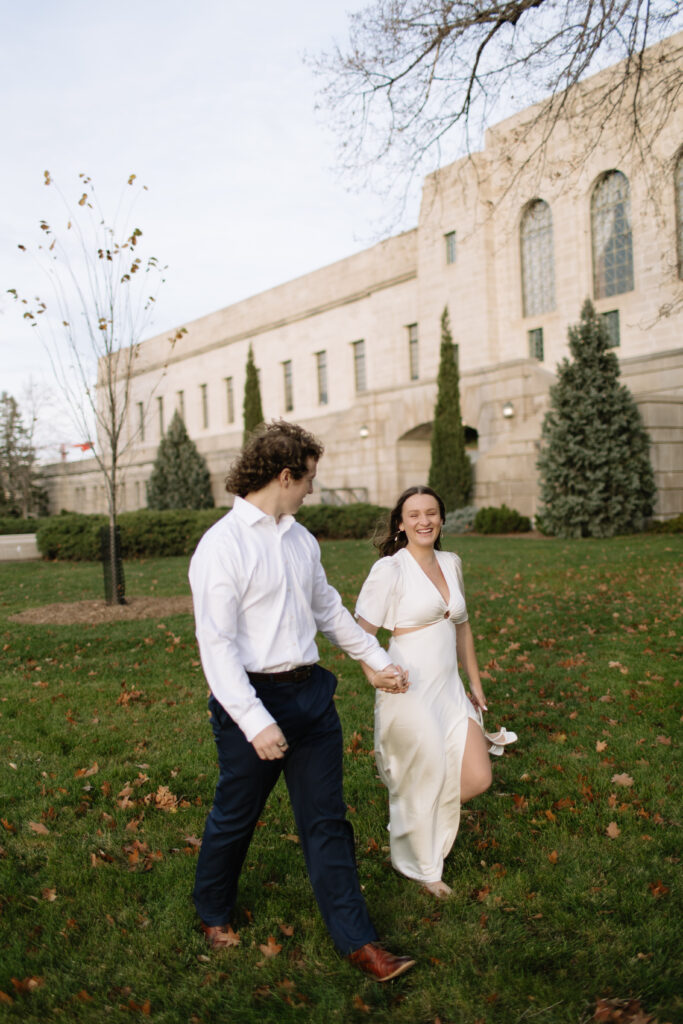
(20, 490)
(180, 478)
(253, 412)
(595, 474)
(450, 472)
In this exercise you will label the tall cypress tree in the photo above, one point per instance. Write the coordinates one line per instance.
(450, 472)
(180, 477)
(596, 479)
(253, 412)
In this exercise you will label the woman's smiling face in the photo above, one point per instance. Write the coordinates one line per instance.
(421, 520)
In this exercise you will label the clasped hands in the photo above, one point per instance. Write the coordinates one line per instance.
(392, 679)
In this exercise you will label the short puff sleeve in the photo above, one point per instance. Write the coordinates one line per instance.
(380, 594)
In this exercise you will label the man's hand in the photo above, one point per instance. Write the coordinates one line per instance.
(270, 744)
(392, 679)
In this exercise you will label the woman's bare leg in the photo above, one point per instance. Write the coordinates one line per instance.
(475, 773)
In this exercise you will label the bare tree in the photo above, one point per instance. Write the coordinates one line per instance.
(420, 80)
(102, 296)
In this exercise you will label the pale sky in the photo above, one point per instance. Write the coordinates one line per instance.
(211, 105)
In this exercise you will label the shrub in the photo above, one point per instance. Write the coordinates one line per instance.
(180, 478)
(71, 537)
(674, 525)
(339, 522)
(19, 524)
(501, 520)
(460, 521)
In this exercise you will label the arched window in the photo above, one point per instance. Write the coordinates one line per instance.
(611, 231)
(678, 185)
(538, 262)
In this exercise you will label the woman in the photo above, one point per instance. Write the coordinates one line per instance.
(431, 750)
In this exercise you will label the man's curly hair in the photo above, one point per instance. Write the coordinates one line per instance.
(270, 449)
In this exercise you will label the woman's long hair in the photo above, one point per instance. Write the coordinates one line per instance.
(389, 539)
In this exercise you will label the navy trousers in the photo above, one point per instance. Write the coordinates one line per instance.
(313, 773)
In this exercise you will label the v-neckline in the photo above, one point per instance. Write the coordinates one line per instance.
(446, 600)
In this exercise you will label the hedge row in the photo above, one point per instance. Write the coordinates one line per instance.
(148, 533)
(17, 524)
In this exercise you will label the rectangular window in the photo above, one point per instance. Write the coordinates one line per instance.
(181, 404)
(160, 412)
(535, 337)
(359, 365)
(611, 322)
(287, 377)
(205, 405)
(321, 369)
(450, 246)
(141, 420)
(229, 400)
(413, 353)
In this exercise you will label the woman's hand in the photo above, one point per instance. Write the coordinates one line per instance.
(477, 696)
(392, 679)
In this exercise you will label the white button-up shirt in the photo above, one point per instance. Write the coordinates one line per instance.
(260, 595)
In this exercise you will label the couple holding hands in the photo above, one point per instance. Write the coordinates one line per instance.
(260, 595)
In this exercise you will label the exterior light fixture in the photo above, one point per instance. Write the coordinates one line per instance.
(363, 431)
(508, 410)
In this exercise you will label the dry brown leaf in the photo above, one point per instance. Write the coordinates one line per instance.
(7, 825)
(27, 984)
(553, 857)
(4, 998)
(39, 828)
(600, 746)
(612, 830)
(658, 888)
(84, 772)
(49, 894)
(286, 929)
(663, 740)
(360, 1005)
(270, 948)
(622, 780)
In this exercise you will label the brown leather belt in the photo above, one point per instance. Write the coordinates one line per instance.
(294, 675)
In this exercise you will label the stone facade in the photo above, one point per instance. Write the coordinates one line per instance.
(374, 319)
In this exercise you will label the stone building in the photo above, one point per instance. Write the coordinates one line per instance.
(512, 244)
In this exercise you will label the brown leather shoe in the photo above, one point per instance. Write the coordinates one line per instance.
(220, 936)
(378, 963)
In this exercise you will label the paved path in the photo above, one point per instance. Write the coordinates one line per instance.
(18, 547)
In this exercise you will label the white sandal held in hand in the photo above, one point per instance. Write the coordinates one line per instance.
(498, 740)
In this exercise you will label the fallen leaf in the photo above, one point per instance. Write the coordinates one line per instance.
(600, 746)
(286, 929)
(658, 888)
(4, 998)
(83, 772)
(8, 826)
(39, 828)
(360, 1005)
(27, 984)
(613, 830)
(553, 857)
(270, 948)
(623, 779)
(49, 894)
(663, 740)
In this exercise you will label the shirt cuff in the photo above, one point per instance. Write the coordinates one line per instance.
(255, 721)
(378, 660)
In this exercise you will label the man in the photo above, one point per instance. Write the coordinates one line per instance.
(260, 594)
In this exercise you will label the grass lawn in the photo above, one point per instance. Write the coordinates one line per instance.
(565, 905)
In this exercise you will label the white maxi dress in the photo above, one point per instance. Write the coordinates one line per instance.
(420, 735)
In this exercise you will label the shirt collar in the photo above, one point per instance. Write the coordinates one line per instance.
(252, 514)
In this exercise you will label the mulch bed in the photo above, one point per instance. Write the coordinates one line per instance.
(69, 613)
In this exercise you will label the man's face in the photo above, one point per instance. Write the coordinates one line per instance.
(296, 490)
